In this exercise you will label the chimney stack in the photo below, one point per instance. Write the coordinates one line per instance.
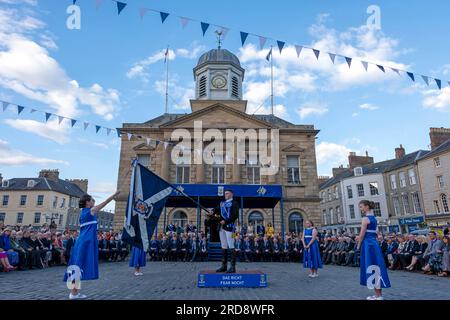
(1, 179)
(358, 161)
(399, 152)
(438, 136)
(49, 174)
(81, 183)
(339, 170)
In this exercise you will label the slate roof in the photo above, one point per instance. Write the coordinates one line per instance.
(445, 146)
(60, 186)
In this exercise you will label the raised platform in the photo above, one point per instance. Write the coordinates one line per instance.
(240, 279)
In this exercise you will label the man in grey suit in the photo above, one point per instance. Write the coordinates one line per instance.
(432, 256)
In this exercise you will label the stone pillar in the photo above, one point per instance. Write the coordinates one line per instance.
(236, 168)
(165, 162)
(200, 167)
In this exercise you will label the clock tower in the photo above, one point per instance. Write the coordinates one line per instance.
(218, 76)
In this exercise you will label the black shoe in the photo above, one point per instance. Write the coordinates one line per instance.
(223, 268)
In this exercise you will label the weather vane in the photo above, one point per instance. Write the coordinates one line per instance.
(219, 35)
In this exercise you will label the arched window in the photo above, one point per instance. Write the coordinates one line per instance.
(202, 87)
(295, 222)
(444, 203)
(180, 218)
(256, 219)
(235, 87)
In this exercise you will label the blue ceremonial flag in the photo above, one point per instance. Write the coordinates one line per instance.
(269, 55)
(147, 198)
(120, 7)
(244, 36)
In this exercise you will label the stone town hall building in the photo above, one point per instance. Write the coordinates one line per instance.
(218, 104)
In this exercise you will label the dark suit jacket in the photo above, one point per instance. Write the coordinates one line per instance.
(234, 214)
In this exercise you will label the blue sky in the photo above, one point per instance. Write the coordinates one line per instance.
(112, 71)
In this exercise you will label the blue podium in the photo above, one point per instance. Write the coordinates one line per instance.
(240, 279)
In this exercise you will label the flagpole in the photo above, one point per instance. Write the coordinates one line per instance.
(271, 79)
(167, 81)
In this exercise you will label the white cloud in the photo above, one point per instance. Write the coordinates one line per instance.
(50, 130)
(368, 106)
(312, 109)
(332, 154)
(438, 100)
(179, 95)
(11, 157)
(27, 68)
(103, 188)
(355, 114)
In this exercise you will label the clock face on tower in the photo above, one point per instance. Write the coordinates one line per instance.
(219, 82)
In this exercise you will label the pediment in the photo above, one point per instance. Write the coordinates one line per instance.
(143, 147)
(293, 148)
(218, 116)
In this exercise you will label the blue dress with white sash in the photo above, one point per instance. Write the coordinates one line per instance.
(373, 272)
(85, 251)
(138, 257)
(311, 256)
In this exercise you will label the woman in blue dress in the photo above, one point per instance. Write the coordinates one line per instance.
(83, 263)
(373, 272)
(311, 253)
(138, 260)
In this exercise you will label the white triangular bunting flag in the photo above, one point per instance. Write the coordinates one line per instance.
(365, 64)
(148, 141)
(184, 22)
(98, 3)
(332, 57)
(129, 135)
(60, 119)
(425, 78)
(33, 110)
(298, 49)
(224, 32)
(5, 105)
(262, 42)
(165, 144)
(396, 71)
(108, 131)
(86, 124)
(142, 12)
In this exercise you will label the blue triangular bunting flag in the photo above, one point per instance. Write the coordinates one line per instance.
(425, 78)
(74, 1)
(20, 109)
(157, 142)
(396, 71)
(164, 16)
(332, 57)
(97, 128)
(269, 55)
(280, 45)
(120, 7)
(365, 64)
(60, 119)
(204, 26)
(381, 68)
(47, 116)
(73, 121)
(349, 61)
(411, 75)
(5, 105)
(119, 133)
(244, 36)
(438, 83)
(316, 53)
(298, 49)
(86, 124)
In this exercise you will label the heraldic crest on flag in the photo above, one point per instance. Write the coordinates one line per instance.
(147, 198)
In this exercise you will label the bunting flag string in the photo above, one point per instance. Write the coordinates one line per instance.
(281, 44)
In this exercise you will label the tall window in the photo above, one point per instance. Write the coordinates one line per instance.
(324, 217)
(295, 222)
(406, 206)
(55, 201)
(440, 181)
(37, 217)
(358, 171)
(257, 219)
(293, 169)
(180, 218)
(23, 200)
(40, 200)
(336, 192)
(402, 179)
(393, 181)
(352, 211)
(360, 188)
(218, 170)
(19, 217)
(235, 87)
(5, 200)
(437, 162)
(397, 209)
(331, 216)
(416, 202)
(373, 188)
(63, 203)
(412, 176)
(61, 218)
(144, 159)
(253, 170)
(444, 201)
(349, 192)
(377, 209)
(2, 216)
(436, 206)
(183, 174)
(338, 215)
(202, 87)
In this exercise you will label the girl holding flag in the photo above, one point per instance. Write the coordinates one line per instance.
(138, 260)
(83, 263)
(311, 254)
